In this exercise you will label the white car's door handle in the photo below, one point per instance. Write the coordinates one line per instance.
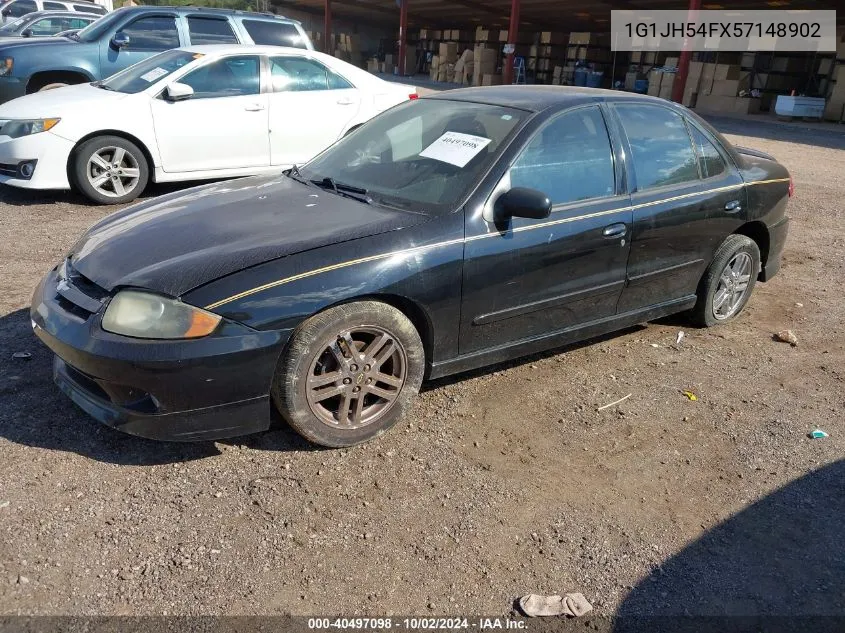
(256, 107)
(345, 101)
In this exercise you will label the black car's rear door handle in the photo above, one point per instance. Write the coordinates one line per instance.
(733, 206)
(615, 230)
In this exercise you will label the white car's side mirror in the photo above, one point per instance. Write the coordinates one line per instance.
(178, 92)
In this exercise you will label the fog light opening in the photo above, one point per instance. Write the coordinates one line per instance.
(26, 169)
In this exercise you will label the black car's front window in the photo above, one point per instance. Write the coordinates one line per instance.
(424, 155)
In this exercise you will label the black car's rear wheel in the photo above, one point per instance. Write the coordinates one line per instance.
(349, 373)
(728, 282)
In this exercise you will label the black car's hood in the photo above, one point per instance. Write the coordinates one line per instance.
(178, 242)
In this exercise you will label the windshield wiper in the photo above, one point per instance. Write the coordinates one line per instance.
(343, 189)
(103, 86)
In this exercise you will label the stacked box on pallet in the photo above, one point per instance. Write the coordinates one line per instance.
(448, 52)
(485, 63)
(464, 62)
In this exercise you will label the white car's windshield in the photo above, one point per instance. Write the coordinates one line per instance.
(144, 74)
(425, 155)
(14, 27)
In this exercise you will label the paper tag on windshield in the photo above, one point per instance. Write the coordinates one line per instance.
(455, 148)
(154, 74)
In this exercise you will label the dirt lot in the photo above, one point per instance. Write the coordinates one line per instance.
(503, 482)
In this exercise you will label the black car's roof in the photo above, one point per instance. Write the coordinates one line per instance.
(538, 98)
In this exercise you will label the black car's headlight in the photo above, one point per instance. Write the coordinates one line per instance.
(146, 315)
(26, 127)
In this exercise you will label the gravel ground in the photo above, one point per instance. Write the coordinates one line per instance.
(503, 482)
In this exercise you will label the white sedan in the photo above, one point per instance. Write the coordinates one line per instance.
(187, 114)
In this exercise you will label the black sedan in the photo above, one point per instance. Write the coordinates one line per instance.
(449, 233)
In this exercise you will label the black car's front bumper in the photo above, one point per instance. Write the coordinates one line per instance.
(199, 389)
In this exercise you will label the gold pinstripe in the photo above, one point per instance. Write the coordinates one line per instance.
(420, 249)
(766, 182)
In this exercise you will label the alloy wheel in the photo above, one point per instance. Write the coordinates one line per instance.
(357, 378)
(113, 171)
(733, 286)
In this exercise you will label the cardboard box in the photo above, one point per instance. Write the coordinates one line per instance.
(721, 71)
(448, 52)
(552, 37)
(465, 57)
(715, 103)
(671, 62)
(665, 93)
(372, 65)
(745, 105)
(485, 35)
(589, 38)
(491, 80)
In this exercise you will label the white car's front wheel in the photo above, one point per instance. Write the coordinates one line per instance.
(110, 170)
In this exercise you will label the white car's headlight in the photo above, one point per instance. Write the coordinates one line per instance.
(145, 315)
(18, 128)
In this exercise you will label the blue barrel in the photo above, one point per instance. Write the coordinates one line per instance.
(641, 86)
(594, 79)
(580, 77)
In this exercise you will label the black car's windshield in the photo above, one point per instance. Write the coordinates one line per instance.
(424, 155)
(93, 31)
(144, 74)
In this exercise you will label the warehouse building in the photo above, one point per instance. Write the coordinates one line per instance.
(567, 42)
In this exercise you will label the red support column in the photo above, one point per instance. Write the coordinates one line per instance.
(513, 36)
(686, 54)
(403, 35)
(328, 47)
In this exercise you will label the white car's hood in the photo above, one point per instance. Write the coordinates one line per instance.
(60, 102)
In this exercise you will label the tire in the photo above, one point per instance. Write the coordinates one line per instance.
(87, 173)
(713, 307)
(313, 408)
(52, 86)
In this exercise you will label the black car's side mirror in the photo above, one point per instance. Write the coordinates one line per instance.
(120, 40)
(521, 202)
(26, 33)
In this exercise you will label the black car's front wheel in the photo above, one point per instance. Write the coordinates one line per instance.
(349, 373)
(728, 282)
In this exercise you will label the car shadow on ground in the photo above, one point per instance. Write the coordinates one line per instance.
(35, 413)
(777, 565)
(430, 385)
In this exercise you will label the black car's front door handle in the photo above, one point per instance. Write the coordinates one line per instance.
(615, 230)
(733, 206)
